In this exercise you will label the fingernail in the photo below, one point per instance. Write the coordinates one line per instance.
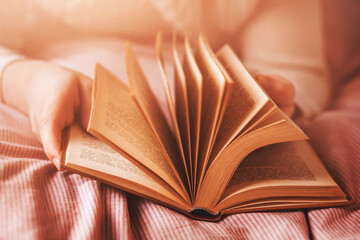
(56, 163)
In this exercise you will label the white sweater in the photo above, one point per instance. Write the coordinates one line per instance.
(271, 37)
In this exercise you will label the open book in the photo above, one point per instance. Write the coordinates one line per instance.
(197, 154)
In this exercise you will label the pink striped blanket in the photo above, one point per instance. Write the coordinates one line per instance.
(38, 202)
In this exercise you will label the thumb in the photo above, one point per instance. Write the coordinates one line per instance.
(50, 134)
(85, 100)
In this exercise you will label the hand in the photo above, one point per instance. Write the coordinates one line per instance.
(52, 96)
(281, 91)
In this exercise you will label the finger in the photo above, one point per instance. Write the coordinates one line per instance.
(50, 134)
(281, 91)
(263, 81)
(34, 126)
(288, 110)
(85, 100)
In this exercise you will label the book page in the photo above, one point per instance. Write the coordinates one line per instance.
(194, 84)
(246, 100)
(273, 129)
(226, 97)
(169, 101)
(116, 117)
(213, 92)
(261, 116)
(182, 107)
(150, 108)
(92, 157)
(293, 168)
(276, 162)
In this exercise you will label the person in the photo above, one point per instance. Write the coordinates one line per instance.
(280, 41)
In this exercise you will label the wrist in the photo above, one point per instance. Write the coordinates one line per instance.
(16, 82)
(5, 62)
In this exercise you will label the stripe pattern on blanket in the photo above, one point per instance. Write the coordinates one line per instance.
(38, 202)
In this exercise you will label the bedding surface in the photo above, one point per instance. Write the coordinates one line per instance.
(38, 202)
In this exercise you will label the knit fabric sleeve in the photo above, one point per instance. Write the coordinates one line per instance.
(285, 39)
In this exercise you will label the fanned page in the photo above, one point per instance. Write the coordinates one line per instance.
(182, 107)
(264, 107)
(214, 86)
(246, 100)
(224, 102)
(194, 85)
(115, 118)
(91, 157)
(170, 103)
(276, 127)
(290, 170)
(149, 106)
